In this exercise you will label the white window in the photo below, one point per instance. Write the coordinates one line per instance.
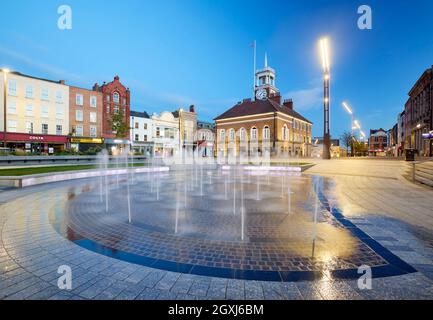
(93, 117)
(232, 134)
(79, 131)
(285, 133)
(59, 96)
(44, 128)
(222, 135)
(116, 97)
(29, 127)
(45, 95)
(79, 115)
(93, 101)
(79, 99)
(29, 110)
(12, 88)
(45, 112)
(254, 133)
(29, 92)
(59, 112)
(124, 101)
(12, 126)
(59, 130)
(107, 98)
(116, 109)
(266, 133)
(12, 107)
(92, 131)
(242, 134)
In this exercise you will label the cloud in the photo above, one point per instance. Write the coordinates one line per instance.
(305, 99)
(50, 69)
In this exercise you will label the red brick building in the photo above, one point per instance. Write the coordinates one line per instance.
(378, 142)
(85, 118)
(116, 98)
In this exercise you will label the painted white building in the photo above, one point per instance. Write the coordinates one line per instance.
(205, 138)
(141, 133)
(165, 134)
(37, 112)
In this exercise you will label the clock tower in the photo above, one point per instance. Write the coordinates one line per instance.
(265, 82)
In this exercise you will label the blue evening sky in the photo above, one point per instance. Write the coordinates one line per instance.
(175, 53)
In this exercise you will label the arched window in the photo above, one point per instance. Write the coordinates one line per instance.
(242, 134)
(232, 134)
(222, 135)
(285, 133)
(253, 133)
(116, 97)
(266, 133)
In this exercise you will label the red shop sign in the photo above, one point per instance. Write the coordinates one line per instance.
(24, 137)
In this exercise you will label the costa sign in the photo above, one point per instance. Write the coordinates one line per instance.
(24, 137)
(40, 138)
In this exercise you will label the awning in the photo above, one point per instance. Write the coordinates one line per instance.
(116, 141)
(35, 138)
(87, 140)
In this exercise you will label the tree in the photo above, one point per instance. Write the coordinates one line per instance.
(360, 148)
(119, 125)
(348, 141)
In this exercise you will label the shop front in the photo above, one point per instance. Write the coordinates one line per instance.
(35, 143)
(84, 144)
(144, 148)
(428, 143)
(117, 146)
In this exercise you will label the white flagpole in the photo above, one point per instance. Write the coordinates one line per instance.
(254, 71)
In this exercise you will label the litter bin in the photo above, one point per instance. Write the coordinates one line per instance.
(410, 154)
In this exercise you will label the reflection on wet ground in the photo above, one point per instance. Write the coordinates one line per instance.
(224, 223)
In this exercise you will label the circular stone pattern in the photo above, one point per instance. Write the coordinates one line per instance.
(226, 223)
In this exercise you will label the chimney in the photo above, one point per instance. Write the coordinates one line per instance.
(95, 87)
(62, 81)
(192, 108)
(288, 103)
(276, 97)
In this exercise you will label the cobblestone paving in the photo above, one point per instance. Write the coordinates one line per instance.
(31, 251)
(208, 234)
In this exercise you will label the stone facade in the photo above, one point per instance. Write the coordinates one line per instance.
(419, 115)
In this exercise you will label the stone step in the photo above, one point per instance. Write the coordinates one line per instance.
(428, 182)
(426, 175)
(424, 170)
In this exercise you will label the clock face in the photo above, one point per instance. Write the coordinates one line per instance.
(261, 94)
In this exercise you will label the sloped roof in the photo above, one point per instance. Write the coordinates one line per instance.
(137, 114)
(249, 108)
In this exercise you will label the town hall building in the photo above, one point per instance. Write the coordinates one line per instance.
(267, 122)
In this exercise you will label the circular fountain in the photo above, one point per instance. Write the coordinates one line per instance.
(235, 221)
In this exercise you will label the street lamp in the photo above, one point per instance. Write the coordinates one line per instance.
(326, 97)
(5, 73)
(357, 125)
(349, 111)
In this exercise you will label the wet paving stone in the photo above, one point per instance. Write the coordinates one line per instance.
(273, 242)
